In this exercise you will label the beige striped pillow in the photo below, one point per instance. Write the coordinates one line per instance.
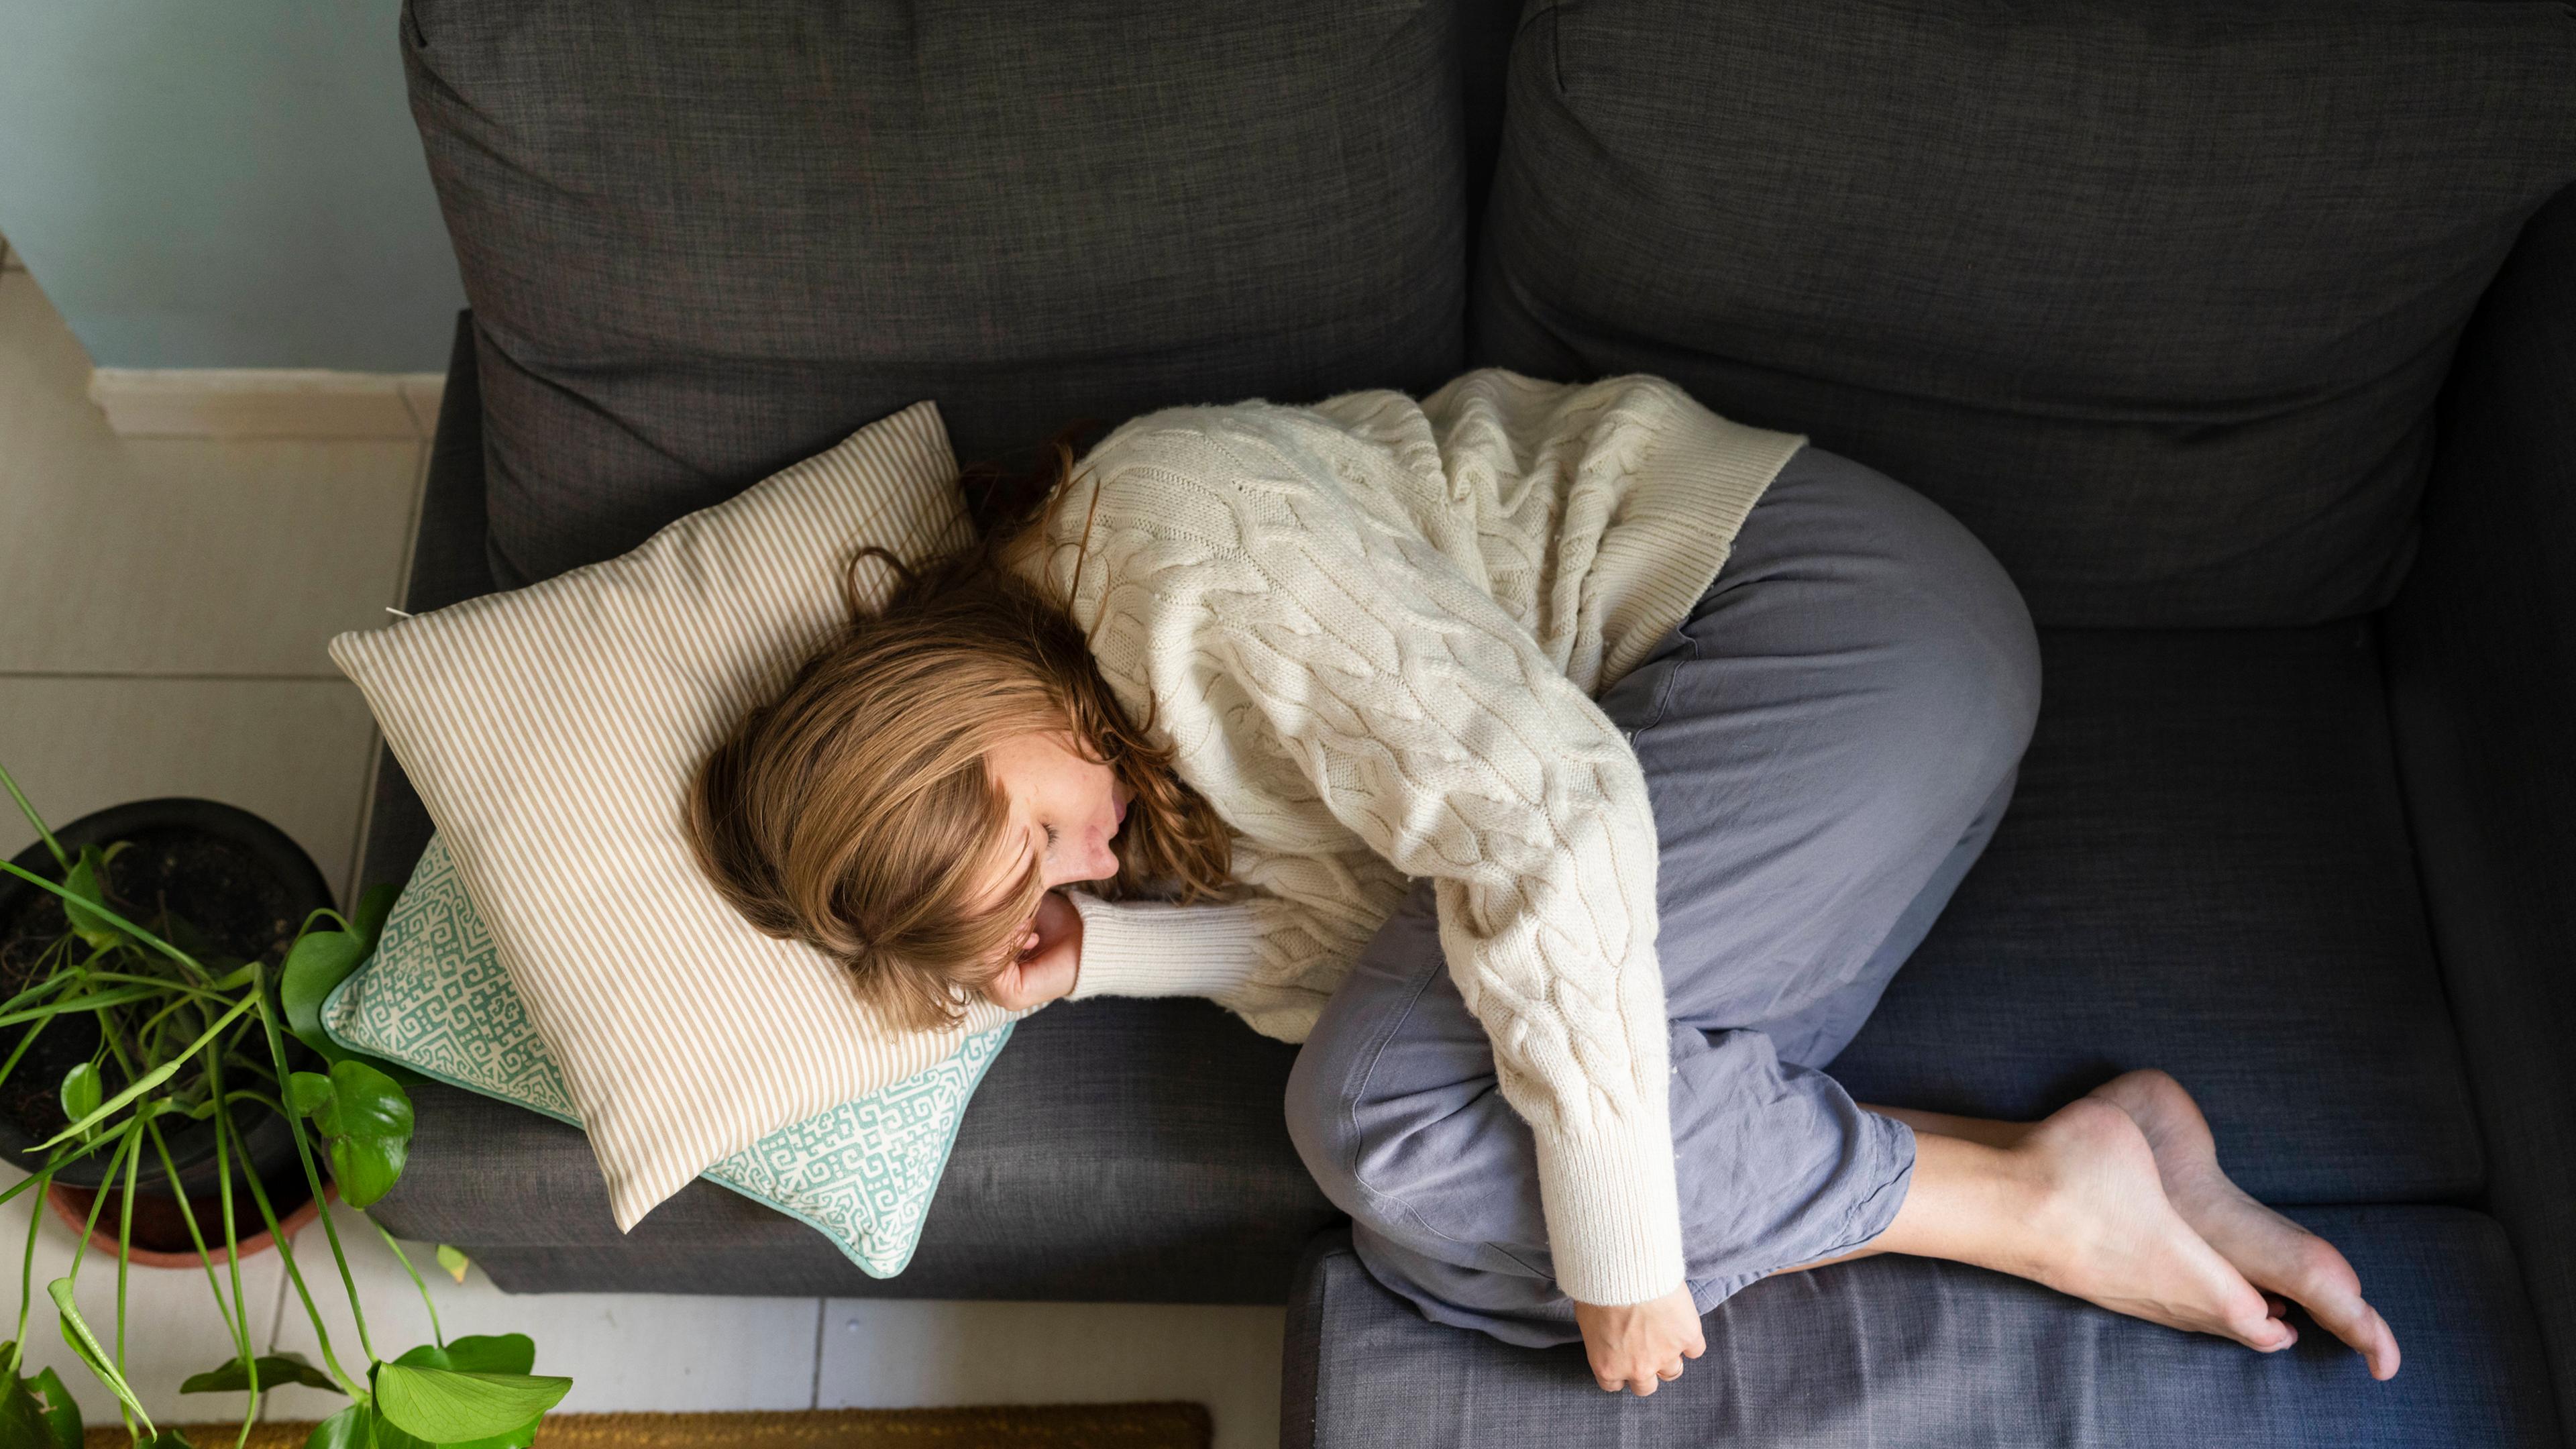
(551, 731)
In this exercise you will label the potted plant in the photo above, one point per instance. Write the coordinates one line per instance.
(223, 885)
(198, 1065)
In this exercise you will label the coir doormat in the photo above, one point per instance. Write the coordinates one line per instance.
(1006, 1426)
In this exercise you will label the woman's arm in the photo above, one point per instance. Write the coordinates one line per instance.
(1271, 616)
(1153, 948)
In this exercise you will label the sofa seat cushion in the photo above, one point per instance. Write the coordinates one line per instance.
(2156, 298)
(703, 240)
(1892, 1352)
(1119, 1150)
(2205, 869)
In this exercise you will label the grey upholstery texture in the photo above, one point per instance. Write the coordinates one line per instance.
(1916, 1353)
(702, 247)
(2155, 298)
(2482, 657)
(447, 566)
(2205, 869)
(1118, 1150)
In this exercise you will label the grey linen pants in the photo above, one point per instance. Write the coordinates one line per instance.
(1828, 740)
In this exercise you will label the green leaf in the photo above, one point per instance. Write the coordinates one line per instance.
(168, 1439)
(22, 1420)
(444, 1406)
(83, 881)
(518, 1438)
(347, 1429)
(454, 1261)
(367, 1167)
(275, 1370)
(62, 1415)
(82, 1091)
(495, 1353)
(307, 1093)
(85, 1343)
(318, 961)
(380, 1433)
(364, 1103)
(366, 1122)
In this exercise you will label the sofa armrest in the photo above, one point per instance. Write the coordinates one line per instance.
(448, 565)
(2481, 651)
(449, 562)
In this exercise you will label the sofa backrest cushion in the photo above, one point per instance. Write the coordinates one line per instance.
(2155, 297)
(703, 239)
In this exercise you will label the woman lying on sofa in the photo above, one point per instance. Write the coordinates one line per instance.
(1562, 739)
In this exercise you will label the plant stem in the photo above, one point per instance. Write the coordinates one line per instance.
(118, 996)
(224, 1197)
(21, 1049)
(259, 1198)
(304, 1154)
(154, 1077)
(437, 1334)
(58, 979)
(27, 1268)
(125, 1235)
(233, 1324)
(30, 812)
(165, 983)
(80, 1250)
(295, 1275)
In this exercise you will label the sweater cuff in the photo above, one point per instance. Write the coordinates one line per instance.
(1613, 1209)
(1155, 948)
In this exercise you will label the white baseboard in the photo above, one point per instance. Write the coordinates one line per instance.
(223, 402)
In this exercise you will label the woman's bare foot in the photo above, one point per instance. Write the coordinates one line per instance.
(2107, 1233)
(2274, 1253)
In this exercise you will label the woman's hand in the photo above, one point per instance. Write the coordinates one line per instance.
(1641, 1346)
(1049, 960)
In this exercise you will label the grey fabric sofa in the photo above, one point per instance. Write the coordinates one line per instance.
(2244, 333)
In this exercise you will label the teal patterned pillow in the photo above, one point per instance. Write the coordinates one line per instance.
(436, 998)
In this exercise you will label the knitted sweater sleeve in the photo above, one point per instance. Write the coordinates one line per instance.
(1153, 948)
(1271, 956)
(1432, 726)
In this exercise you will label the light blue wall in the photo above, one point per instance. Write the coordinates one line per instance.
(223, 183)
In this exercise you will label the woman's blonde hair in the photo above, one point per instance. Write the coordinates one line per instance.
(855, 812)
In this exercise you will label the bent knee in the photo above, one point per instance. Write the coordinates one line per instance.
(1318, 1111)
(1939, 612)
(1386, 1151)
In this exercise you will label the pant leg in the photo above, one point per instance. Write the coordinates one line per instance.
(1828, 741)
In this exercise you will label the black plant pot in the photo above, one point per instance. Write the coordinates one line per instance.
(245, 885)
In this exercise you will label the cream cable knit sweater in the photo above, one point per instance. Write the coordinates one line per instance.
(1375, 628)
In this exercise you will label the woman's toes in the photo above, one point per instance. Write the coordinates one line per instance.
(2249, 1322)
(2277, 1336)
(2381, 1352)
(2324, 1282)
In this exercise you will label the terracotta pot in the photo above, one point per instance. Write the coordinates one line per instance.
(72, 1205)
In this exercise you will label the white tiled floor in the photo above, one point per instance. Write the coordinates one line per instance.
(166, 604)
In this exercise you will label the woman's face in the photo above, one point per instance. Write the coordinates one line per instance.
(1064, 810)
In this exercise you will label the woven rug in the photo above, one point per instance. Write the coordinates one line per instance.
(1009, 1426)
